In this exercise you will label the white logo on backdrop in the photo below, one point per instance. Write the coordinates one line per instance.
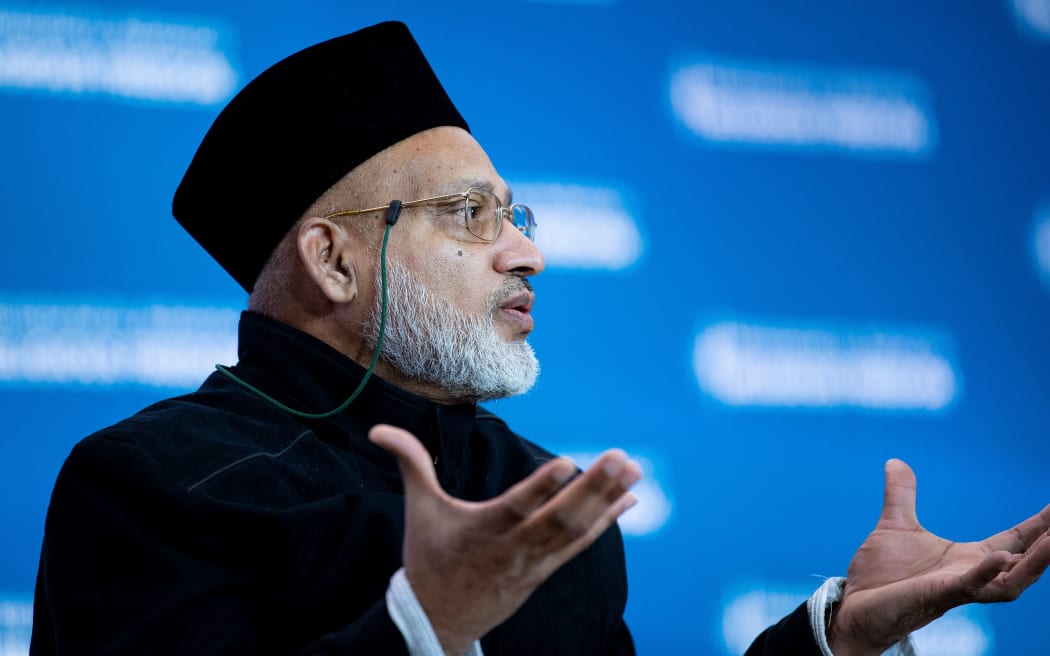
(964, 631)
(749, 613)
(126, 57)
(742, 364)
(585, 3)
(653, 509)
(582, 227)
(1034, 15)
(1041, 243)
(82, 344)
(16, 624)
(803, 108)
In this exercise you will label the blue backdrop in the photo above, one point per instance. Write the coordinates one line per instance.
(785, 242)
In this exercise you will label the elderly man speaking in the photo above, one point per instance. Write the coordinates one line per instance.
(339, 490)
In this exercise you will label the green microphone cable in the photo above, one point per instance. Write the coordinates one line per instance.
(391, 218)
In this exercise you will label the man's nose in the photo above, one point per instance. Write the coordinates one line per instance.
(516, 253)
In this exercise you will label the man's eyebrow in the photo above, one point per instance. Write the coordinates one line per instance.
(462, 184)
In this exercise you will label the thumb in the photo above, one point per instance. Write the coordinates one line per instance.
(898, 501)
(417, 470)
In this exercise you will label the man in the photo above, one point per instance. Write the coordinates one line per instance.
(388, 273)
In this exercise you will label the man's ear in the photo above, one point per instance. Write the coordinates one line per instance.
(327, 253)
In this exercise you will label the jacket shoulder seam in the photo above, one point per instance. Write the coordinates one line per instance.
(251, 456)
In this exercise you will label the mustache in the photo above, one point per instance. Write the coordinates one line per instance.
(514, 285)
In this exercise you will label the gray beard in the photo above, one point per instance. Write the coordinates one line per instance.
(430, 342)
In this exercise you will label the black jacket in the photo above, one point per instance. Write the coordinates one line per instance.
(215, 523)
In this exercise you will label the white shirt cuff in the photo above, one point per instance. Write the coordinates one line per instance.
(819, 607)
(412, 621)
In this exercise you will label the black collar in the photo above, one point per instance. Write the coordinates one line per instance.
(307, 374)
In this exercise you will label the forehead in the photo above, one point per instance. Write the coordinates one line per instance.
(442, 160)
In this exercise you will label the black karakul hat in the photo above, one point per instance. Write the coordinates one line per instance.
(295, 130)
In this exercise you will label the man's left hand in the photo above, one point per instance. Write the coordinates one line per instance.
(904, 577)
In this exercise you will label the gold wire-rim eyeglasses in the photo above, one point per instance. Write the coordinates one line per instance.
(520, 216)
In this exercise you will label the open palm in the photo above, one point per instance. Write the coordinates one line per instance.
(472, 564)
(904, 577)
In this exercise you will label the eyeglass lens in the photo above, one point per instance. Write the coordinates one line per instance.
(484, 215)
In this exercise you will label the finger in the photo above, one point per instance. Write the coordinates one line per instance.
(972, 583)
(573, 511)
(604, 482)
(517, 503)
(417, 470)
(1026, 570)
(553, 558)
(898, 501)
(622, 505)
(1020, 537)
(594, 506)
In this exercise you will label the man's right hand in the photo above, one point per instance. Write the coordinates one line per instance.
(472, 564)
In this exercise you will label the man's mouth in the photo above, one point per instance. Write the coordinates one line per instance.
(517, 308)
(520, 302)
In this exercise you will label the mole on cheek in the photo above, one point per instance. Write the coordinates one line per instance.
(460, 253)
